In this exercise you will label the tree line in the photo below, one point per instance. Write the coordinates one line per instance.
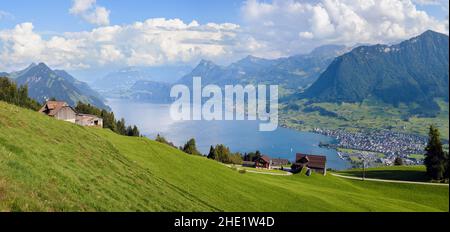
(223, 154)
(219, 152)
(16, 95)
(109, 120)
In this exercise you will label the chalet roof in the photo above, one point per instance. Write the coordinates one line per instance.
(88, 116)
(51, 108)
(280, 161)
(265, 158)
(312, 161)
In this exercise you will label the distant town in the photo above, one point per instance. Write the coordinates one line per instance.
(376, 147)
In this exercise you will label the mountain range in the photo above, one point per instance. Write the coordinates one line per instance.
(413, 72)
(120, 81)
(150, 91)
(44, 83)
(291, 73)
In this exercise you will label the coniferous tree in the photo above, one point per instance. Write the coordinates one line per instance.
(257, 155)
(121, 128)
(191, 148)
(398, 161)
(136, 132)
(446, 164)
(129, 131)
(212, 153)
(435, 158)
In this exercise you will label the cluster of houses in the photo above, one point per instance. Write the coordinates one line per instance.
(312, 163)
(62, 111)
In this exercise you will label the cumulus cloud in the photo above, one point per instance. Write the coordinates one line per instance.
(295, 26)
(155, 41)
(90, 12)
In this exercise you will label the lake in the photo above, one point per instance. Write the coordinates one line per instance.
(239, 136)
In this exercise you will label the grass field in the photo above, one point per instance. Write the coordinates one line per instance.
(368, 114)
(406, 173)
(417, 156)
(49, 165)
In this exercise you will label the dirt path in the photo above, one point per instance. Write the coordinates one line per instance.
(264, 173)
(388, 181)
(270, 173)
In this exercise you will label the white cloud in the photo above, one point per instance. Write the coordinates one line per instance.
(290, 26)
(90, 12)
(152, 42)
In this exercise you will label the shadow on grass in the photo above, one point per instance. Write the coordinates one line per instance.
(405, 175)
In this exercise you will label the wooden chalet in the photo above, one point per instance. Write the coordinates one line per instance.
(263, 162)
(59, 110)
(316, 163)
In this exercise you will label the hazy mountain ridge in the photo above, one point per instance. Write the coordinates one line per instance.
(292, 72)
(150, 91)
(124, 79)
(44, 83)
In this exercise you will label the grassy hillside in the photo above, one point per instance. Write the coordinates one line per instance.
(406, 173)
(49, 165)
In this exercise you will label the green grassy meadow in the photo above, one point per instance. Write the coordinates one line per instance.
(406, 173)
(50, 165)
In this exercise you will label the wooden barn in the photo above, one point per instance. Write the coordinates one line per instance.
(89, 120)
(59, 110)
(63, 111)
(316, 163)
(263, 162)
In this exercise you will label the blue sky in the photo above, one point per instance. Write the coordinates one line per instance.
(53, 15)
(102, 34)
